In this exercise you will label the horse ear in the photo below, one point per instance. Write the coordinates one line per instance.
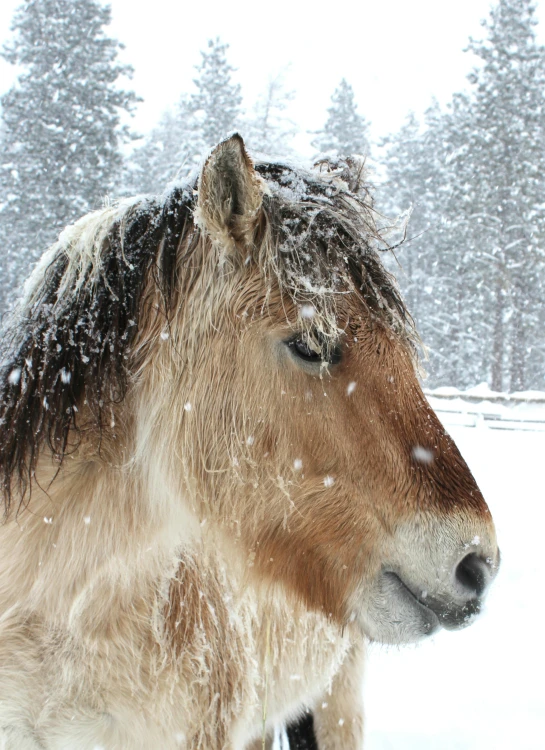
(230, 194)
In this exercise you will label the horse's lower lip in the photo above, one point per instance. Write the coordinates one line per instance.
(410, 596)
(450, 616)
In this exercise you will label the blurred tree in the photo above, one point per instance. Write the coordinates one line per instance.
(217, 101)
(345, 131)
(475, 175)
(171, 150)
(408, 172)
(176, 145)
(435, 271)
(507, 152)
(61, 126)
(268, 129)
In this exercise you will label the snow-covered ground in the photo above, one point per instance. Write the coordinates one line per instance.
(482, 688)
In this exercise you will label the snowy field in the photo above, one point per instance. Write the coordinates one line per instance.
(482, 688)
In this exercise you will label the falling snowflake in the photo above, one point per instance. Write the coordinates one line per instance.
(422, 455)
(15, 376)
(308, 311)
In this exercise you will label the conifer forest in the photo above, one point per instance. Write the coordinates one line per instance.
(460, 190)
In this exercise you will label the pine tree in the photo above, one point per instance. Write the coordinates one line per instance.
(434, 268)
(508, 157)
(217, 101)
(482, 197)
(174, 148)
(454, 249)
(269, 131)
(171, 151)
(61, 126)
(345, 132)
(403, 194)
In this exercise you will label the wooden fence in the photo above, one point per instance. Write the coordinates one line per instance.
(498, 411)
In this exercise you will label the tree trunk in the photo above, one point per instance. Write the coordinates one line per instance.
(498, 335)
(517, 380)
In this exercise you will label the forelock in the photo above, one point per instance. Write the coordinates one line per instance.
(326, 244)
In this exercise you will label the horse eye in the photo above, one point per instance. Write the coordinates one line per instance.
(304, 351)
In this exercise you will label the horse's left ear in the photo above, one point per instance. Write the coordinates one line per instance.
(230, 194)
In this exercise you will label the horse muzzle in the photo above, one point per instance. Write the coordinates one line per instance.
(403, 606)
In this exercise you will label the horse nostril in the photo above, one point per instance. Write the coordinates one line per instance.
(473, 573)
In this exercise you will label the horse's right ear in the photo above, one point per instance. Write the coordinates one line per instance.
(230, 194)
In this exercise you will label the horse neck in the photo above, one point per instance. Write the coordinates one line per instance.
(95, 523)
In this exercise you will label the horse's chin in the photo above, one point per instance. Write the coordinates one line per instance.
(393, 614)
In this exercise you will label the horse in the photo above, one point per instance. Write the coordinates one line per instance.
(220, 475)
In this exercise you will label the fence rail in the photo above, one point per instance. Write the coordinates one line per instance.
(495, 411)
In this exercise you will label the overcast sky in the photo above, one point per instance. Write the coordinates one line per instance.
(396, 54)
